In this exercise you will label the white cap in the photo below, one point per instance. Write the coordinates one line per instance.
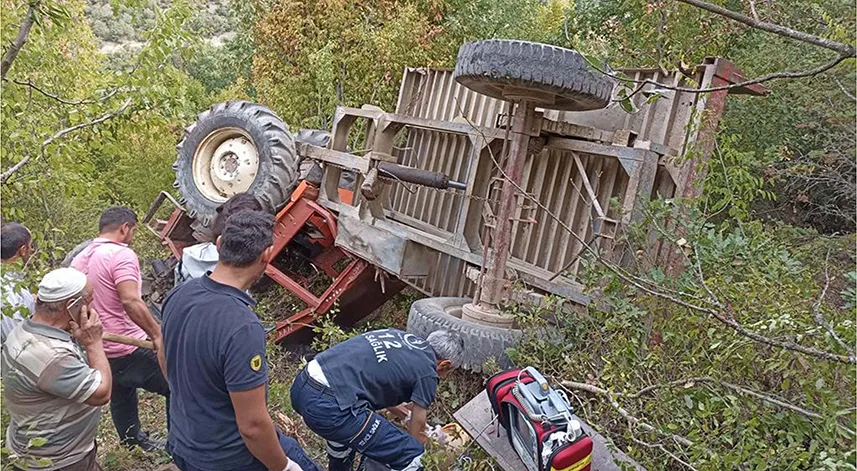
(60, 284)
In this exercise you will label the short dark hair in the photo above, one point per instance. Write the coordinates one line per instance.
(13, 236)
(113, 217)
(246, 235)
(238, 202)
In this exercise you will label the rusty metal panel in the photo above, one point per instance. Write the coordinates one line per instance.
(440, 152)
(602, 164)
(399, 256)
(665, 121)
(669, 121)
(433, 94)
(446, 278)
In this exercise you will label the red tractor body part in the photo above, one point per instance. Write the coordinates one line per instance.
(356, 284)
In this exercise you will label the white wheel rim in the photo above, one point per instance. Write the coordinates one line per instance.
(225, 163)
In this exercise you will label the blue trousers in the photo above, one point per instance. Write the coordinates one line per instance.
(290, 446)
(347, 431)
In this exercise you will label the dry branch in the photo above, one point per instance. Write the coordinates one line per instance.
(816, 309)
(622, 411)
(844, 90)
(66, 101)
(23, 33)
(765, 78)
(11, 170)
(729, 321)
(843, 52)
(734, 387)
(666, 452)
(841, 48)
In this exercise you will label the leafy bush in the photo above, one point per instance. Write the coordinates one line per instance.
(701, 379)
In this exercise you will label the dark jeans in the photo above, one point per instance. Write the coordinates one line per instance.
(347, 431)
(290, 446)
(139, 369)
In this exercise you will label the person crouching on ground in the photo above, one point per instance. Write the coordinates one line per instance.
(339, 392)
(216, 366)
(52, 392)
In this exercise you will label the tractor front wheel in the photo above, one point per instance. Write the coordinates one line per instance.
(235, 147)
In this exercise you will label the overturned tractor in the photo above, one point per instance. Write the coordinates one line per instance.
(484, 186)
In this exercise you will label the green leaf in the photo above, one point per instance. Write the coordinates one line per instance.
(37, 442)
(653, 98)
(688, 401)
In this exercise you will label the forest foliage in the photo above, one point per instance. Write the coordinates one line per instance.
(767, 233)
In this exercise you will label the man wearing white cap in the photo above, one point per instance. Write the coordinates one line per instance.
(53, 392)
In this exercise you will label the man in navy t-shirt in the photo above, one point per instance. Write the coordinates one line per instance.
(339, 391)
(215, 356)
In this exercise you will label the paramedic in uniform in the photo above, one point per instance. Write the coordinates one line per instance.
(339, 392)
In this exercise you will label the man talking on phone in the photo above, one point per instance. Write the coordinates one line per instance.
(52, 391)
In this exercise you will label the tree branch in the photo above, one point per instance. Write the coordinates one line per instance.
(753, 10)
(844, 50)
(663, 449)
(845, 90)
(65, 101)
(734, 387)
(732, 323)
(11, 170)
(23, 33)
(765, 78)
(816, 309)
(622, 411)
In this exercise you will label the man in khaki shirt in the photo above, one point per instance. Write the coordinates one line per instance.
(52, 390)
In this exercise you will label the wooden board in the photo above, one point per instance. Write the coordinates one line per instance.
(477, 418)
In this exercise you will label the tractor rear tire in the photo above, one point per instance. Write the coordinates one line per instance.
(310, 170)
(263, 163)
(481, 343)
(489, 67)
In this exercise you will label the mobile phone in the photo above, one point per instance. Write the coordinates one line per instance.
(71, 306)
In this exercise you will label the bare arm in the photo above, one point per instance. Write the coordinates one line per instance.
(257, 428)
(417, 427)
(137, 310)
(162, 362)
(88, 333)
(98, 361)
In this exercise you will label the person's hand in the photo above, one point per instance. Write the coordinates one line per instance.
(88, 329)
(157, 344)
(293, 466)
(402, 411)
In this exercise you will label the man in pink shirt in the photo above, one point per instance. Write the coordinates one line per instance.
(114, 271)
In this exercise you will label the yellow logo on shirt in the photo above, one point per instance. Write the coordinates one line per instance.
(256, 362)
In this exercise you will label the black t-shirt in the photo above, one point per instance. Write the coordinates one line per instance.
(214, 344)
(382, 368)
